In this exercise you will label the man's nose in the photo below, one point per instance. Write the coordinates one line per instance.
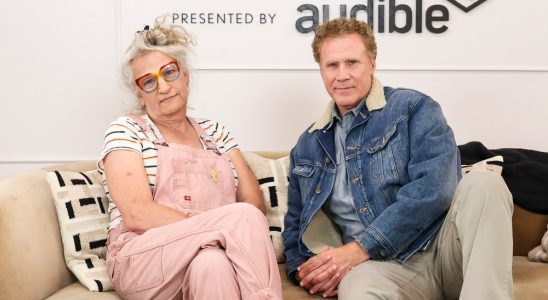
(342, 74)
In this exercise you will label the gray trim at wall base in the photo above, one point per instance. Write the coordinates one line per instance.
(42, 161)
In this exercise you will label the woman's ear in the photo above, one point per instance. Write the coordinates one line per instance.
(186, 78)
(139, 96)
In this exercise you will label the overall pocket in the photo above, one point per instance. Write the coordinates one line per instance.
(204, 183)
(207, 188)
(140, 271)
(180, 189)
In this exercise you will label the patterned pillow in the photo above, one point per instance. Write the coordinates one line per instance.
(273, 181)
(83, 218)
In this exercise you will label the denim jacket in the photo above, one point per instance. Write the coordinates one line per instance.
(403, 167)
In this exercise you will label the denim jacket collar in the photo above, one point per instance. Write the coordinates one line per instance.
(375, 100)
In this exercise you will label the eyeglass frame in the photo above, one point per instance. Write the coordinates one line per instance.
(157, 75)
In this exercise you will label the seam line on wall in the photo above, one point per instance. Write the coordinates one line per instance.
(390, 69)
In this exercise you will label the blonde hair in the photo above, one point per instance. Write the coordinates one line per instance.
(343, 26)
(172, 40)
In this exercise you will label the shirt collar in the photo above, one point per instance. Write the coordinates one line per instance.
(373, 101)
(335, 114)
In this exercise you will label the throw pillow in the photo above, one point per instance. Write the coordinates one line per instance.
(273, 181)
(82, 210)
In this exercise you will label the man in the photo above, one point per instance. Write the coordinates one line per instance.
(374, 208)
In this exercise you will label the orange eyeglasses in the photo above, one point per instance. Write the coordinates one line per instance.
(148, 83)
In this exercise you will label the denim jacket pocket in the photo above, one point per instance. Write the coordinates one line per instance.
(305, 177)
(385, 154)
(304, 170)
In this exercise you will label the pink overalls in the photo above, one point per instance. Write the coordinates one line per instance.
(223, 251)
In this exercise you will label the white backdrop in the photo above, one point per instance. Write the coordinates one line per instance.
(491, 36)
(59, 87)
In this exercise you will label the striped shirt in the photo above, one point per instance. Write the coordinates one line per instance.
(125, 134)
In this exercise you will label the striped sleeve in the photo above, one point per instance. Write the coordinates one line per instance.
(220, 134)
(121, 134)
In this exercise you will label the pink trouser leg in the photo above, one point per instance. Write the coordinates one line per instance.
(211, 276)
(153, 265)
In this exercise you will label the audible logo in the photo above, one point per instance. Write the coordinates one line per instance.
(433, 17)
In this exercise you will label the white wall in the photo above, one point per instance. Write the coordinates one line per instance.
(59, 86)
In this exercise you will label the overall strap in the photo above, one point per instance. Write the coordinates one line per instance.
(208, 142)
(150, 129)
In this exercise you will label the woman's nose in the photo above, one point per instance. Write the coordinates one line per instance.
(163, 86)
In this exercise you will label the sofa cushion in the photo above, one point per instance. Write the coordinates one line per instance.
(529, 279)
(272, 177)
(82, 211)
(77, 291)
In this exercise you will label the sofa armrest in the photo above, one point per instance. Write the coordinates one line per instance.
(528, 229)
(32, 262)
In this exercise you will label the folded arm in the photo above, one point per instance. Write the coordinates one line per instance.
(128, 187)
(248, 187)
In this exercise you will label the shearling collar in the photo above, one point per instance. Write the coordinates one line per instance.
(375, 100)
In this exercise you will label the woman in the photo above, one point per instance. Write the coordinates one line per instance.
(176, 230)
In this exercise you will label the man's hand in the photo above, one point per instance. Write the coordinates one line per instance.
(323, 272)
(318, 274)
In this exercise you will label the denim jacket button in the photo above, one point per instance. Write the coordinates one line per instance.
(318, 190)
(364, 209)
(351, 148)
(327, 160)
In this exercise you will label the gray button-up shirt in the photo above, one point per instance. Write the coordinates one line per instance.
(340, 204)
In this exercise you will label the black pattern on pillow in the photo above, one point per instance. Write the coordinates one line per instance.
(82, 211)
(273, 181)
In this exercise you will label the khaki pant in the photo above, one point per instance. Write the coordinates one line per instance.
(470, 258)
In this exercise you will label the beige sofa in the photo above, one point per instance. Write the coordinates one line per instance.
(31, 253)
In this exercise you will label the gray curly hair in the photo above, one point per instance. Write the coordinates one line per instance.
(172, 40)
